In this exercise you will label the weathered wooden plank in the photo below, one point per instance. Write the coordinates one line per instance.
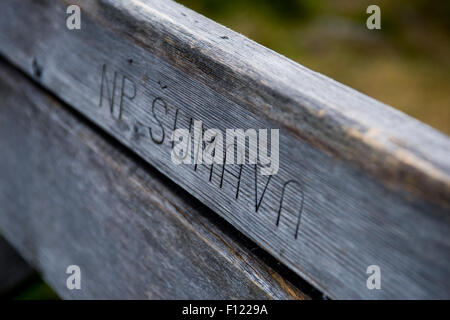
(13, 269)
(372, 184)
(69, 197)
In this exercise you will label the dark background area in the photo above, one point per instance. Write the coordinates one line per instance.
(405, 64)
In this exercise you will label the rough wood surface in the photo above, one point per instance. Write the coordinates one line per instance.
(68, 197)
(372, 184)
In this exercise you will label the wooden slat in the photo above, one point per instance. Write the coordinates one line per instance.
(372, 185)
(69, 197)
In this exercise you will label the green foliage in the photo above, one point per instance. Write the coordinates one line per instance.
(34, 289)
(405, 64)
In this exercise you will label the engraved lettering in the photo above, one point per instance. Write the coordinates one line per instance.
(104, 83)
(258, 203)
(157, 120)
(301, 204)
(208, 145)
(223, 172)
(123, 94)
(175, 124)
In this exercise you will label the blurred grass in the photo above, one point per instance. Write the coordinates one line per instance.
(405, 64)
(31, 288)
(34, 289)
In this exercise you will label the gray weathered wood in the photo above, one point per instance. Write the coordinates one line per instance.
(372, 183)
(68, 197)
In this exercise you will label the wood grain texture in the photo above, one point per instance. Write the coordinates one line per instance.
(69, 197)
(372, 184)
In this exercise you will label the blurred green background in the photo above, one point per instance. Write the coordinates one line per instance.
(18, 280)
(33, 288)
(406, 64)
